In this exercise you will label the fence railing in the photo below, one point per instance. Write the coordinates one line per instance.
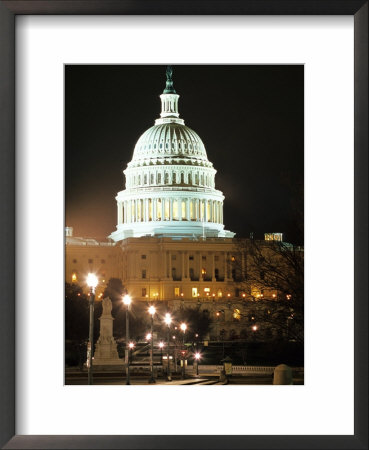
(215, 369)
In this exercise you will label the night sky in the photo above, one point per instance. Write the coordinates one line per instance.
(250, 118)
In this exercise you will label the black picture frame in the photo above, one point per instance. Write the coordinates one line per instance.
(8, 283)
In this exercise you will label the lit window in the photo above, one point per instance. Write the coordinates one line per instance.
(74, 277)
(203, 271)
(233, 258)
(273, 237)
(206, 289)
(176, 291)
(236, 314)
(194, 292)
(220, 293)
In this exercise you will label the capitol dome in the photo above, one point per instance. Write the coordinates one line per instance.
(170, 183)
(167, 141)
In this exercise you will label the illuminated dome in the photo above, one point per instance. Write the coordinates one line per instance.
(169, 143)
(170, 183)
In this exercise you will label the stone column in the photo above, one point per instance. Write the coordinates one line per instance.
(188, 216)
(136, 210)
(213, 267)
(129, 211)
(225, 266)
(119, 212)
(170, 209)
(163, 209)
(200, 266)
(147, 209)
(183, 265)
(154, 201)
(137, 273)
(170, 265)
(165, 263)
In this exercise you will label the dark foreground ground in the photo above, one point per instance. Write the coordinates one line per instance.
(111, 379)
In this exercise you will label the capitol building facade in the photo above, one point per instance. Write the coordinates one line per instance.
(170, 244)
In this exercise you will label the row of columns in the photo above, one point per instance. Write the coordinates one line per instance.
(147, 209)
(155, 179)
(133, 264)
(185, 265)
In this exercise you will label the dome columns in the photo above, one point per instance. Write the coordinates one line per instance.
(169, 208)
(169, 105)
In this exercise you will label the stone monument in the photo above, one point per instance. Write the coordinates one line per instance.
(106, 353)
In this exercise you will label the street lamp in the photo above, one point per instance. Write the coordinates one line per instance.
(127, 301)
(183, 327)
(197, 357)
(152, 311)
(168, 321)
(92, 282)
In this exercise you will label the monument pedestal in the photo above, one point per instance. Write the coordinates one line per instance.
(106, 353)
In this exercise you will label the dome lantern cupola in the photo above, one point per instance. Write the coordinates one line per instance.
(170, 183)
(169, 102)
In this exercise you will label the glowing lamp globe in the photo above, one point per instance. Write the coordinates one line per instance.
(92, 280)
(168, 319)
(127, 300)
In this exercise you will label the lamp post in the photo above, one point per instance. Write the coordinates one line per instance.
(127, 301)
(175, 354)
(183, 328)
(161, 345)
(92, 282)
(197, 358)
(168, 321)
(131, 346)
(152, 312)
